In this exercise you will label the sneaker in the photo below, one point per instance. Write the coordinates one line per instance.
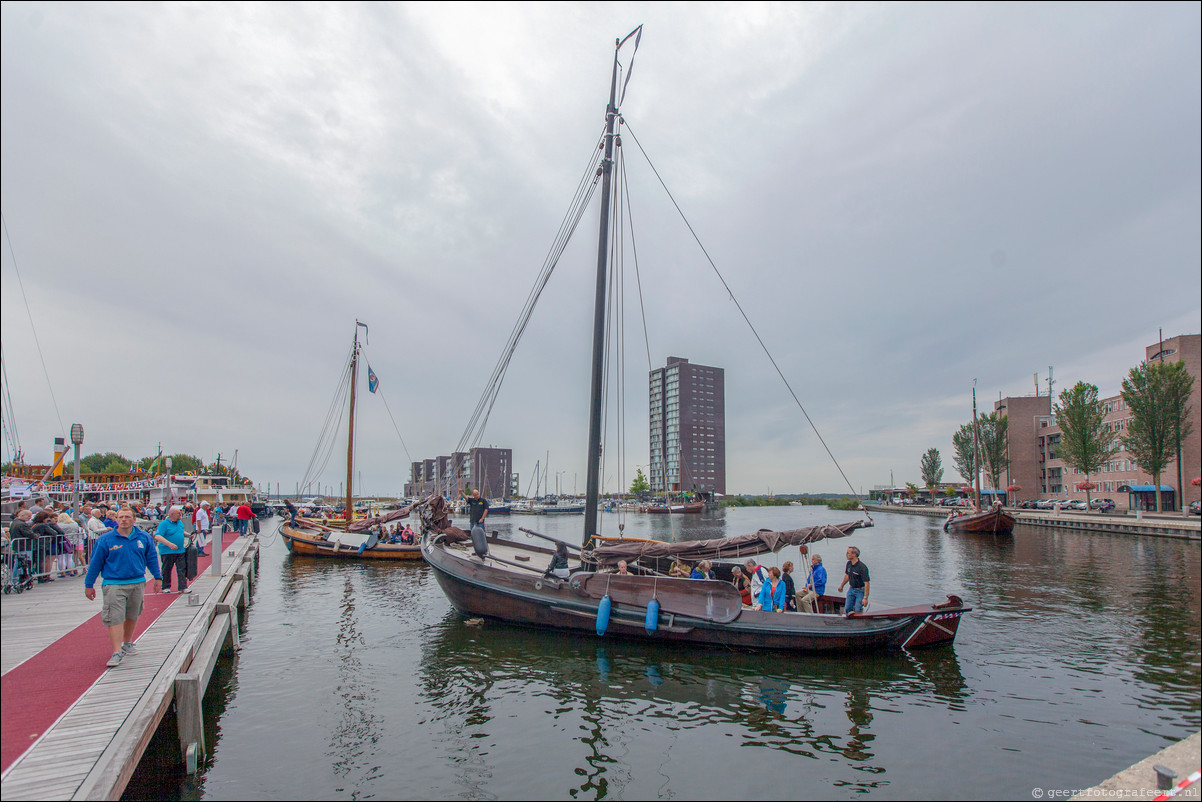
(129, 648)
(115, 660)
(186, 590)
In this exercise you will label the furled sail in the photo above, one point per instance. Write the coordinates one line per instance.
(608, 551)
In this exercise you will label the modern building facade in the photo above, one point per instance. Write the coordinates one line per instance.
(1037, 469)
(490, 470)
(687, 427)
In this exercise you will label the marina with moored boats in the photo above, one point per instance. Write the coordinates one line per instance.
(464, 642)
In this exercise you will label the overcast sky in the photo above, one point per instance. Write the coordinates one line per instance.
(201, 199)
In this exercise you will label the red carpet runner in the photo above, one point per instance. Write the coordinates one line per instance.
(34, 694)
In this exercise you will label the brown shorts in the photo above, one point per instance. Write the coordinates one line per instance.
(121, 603)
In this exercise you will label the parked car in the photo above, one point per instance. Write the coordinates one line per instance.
(1076, 505)
(1101, 504)
(1195, 508)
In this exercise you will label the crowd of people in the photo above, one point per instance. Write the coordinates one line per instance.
(58, 541)
(770, 588)
(398, 534)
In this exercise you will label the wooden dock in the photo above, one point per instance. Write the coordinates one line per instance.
(1152, 524)
(91, 751)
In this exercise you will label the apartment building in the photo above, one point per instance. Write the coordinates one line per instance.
(488, 469)
(1036, 467)
(687, 405)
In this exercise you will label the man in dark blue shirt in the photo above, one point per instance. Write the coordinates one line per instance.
(856, 574)
(477, 508)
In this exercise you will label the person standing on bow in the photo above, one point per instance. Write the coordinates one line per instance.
(477, 508)
(855, 575)
(292, 511)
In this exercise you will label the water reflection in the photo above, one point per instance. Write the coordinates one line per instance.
(607, 696)
(359, 680)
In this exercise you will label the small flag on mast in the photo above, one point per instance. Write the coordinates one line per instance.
(373, 381)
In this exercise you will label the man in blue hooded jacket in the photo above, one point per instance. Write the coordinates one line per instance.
(121, 557)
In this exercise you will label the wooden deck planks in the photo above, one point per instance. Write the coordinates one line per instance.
(93, 749)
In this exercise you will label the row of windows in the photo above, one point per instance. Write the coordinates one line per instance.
(1114, 466)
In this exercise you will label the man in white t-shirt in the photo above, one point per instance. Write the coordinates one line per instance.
(202, 527)
(758, 574)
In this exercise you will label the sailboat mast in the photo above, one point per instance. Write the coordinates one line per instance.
(976, 451)
(593, 481)
(350, 439)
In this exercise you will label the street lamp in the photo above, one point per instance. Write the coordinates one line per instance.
(77, 440)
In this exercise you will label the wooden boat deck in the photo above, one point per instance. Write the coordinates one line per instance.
(91, 751)
(507, 556)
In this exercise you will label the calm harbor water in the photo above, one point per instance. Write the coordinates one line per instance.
(1081, 656)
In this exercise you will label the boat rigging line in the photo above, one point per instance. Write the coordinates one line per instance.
(333, 423)
(739, 306)
(474, 432)
(11, 437)
(380, 392)
(12, 254)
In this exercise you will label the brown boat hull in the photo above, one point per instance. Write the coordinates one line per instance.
(309, 544)
(988, 522)
(479, 589)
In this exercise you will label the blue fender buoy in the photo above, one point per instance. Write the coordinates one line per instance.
(603, 614)
(652, 616)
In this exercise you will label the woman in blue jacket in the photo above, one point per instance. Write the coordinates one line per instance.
(772, 594)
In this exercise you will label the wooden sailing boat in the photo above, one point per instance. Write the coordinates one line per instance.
(993, 521)
(506, 580)
(352, 537)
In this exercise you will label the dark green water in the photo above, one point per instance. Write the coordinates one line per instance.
(359, 681)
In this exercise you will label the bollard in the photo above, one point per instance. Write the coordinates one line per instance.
(216, 544)
(1164, 777)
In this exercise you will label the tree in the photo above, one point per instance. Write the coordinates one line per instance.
(109, 462)
(1086, 442)
(964, 459)
(995, 451)
(640, 484)
(931, 468)
(183, 463)
(1157, 396)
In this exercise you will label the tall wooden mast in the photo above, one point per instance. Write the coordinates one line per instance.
(593, 482)
(976, 451)
(350, 439)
